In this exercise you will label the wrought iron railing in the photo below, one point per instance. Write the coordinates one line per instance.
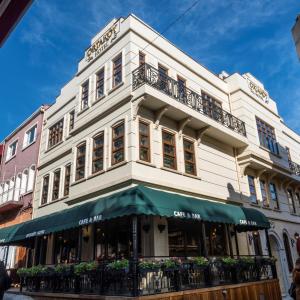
(155, 279)
(146, 74)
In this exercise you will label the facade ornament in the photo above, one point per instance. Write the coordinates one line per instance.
(182, 124)
(136, 106)
(158, 115)
(244, 167)
(200, 133)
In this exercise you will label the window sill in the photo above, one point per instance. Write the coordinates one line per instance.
(268, 150)
(82, 111)
(122, 163)
(266, 207)
(115, 87)
(191, 175)
(9, 159)
(78, 181)
(98, 100)
(149, 164)
(27, 146)
(56, 145)
(171, 170)
(96, 174)
(277, 209)
(51, 202)
(255, 205)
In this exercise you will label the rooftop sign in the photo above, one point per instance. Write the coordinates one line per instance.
(104, 41)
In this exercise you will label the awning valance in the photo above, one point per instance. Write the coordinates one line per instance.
(138, 200)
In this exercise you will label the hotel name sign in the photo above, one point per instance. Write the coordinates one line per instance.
(258, 91)
(104, 41)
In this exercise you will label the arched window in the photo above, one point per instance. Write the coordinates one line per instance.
(11, 189)
(288, 252)
(24, 182)
(17, 187)
(31, 178)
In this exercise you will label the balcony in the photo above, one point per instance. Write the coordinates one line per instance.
(295, 168)
(146, 74)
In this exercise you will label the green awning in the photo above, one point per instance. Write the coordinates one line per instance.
(140, 200)
(7, 233)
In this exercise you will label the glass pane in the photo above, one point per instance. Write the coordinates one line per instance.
(118, 156)
(169, 162)
(169, 150)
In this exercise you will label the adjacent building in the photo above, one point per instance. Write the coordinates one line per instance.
(296, 35)
(20, 152)
(146, 153)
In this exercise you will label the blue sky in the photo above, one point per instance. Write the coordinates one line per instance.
(42, 53)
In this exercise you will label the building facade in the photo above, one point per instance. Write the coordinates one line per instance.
(141, 113)
(18, 171)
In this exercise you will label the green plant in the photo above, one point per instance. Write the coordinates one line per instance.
(84, 267)
(200, 261)
(247, 260)
(149, 265)
(228, 261)
(60, 269)
(23, 272)
(170, 264)
(119, 264)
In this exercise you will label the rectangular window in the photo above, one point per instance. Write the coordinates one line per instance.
(211, 106)
(67, 180)
(163, 78)
(56, 133)
(117, 70)
(267, 136)
(291, 201)
(181, 84)
(45, 189)
(189, 157)
(141, 58)
(71, 120)
(100, 84)
(144, 137)
(98, 148)
(30, 136)
(273, 194)
(85, 95)
(264, 194)
(12, 150)
(118, 150)
(80, 161)
(253, 196)
(169, 150)
(56, 185)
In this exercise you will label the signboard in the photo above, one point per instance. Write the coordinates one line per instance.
(90, 220)
(103, 42)
(258, 91)
(187, 215)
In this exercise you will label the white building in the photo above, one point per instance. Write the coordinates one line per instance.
(139, 111)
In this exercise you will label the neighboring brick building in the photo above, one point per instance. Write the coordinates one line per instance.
(19, 152)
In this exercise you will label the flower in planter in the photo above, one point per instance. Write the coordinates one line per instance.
(229, 261)
(247, 260)
(63, 269)
(23, 272)
(200, 261)
(149, 265)
(171, 264)
(84, 267)
(119, 265)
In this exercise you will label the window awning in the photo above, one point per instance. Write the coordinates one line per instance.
(138, 200)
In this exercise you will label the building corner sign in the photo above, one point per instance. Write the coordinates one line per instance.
(258, 91)
(103, 42)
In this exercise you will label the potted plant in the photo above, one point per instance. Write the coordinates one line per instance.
(23, 272)
(170, 264)
(84, 267)
(149, 266)
(200, 262)
(119, 265)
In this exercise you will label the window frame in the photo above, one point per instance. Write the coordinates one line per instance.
(254, 188)
(264, 190)
(275, 193)
(84, 143)
(97, 87)
(25, 142)
(9, 155)
(58, 136)
(169, 144)
(266, 136)
(67, 183)
(84, 95)
(71, 124)
(56, 188)
(120, 123)
(100, 134)
(291, 201)
(287, 250)
(43, 191)
(118, 67)
(148, 137)
(193, 153)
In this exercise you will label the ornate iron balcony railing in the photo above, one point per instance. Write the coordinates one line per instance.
(146, 74)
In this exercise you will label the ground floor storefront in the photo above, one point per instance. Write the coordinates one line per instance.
(142, 242)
